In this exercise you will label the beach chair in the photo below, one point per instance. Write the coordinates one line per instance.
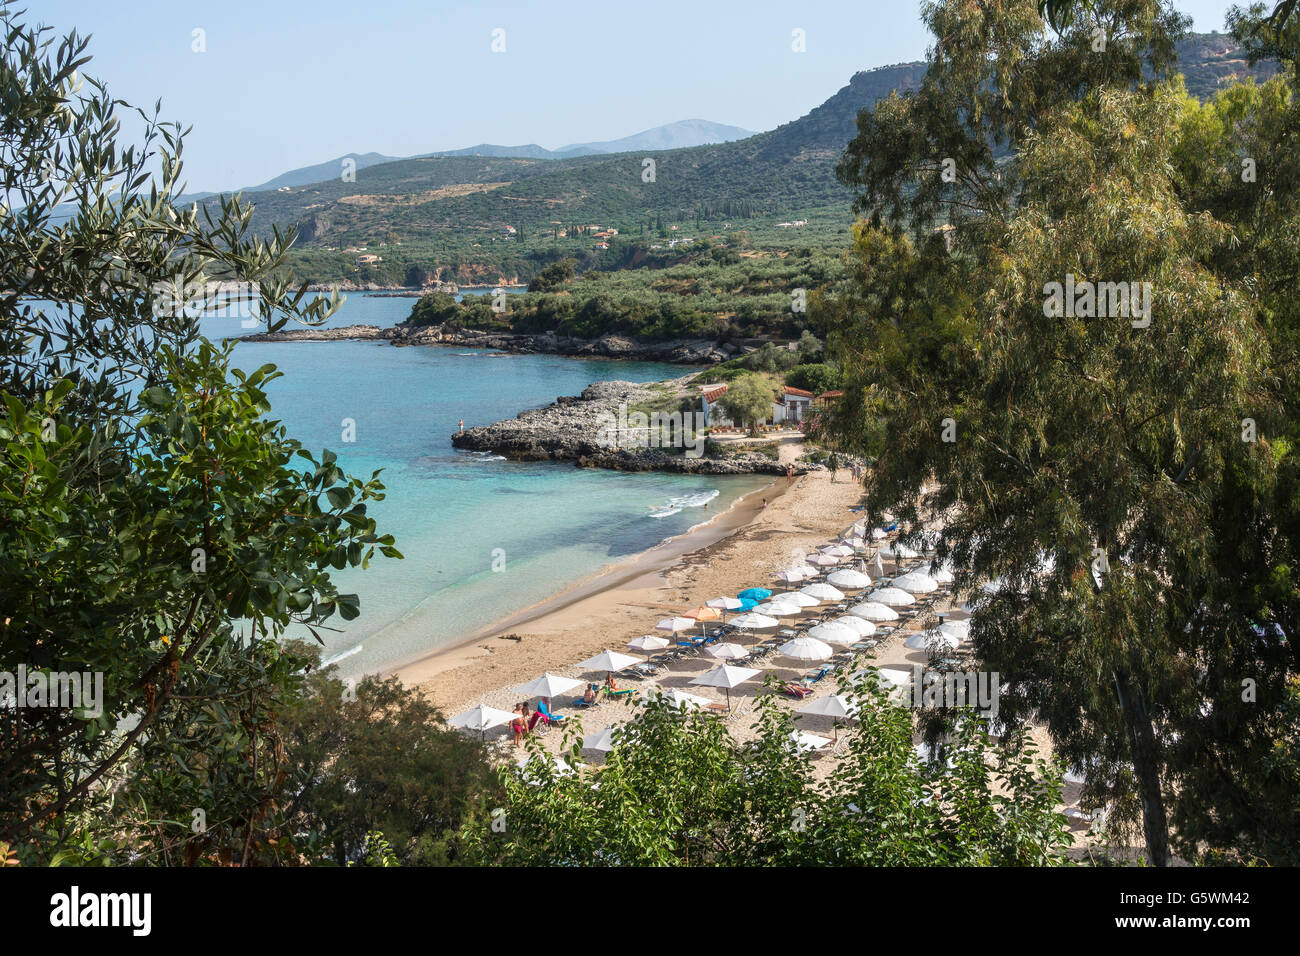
(580, 704)
(620, 693)
(797, 691)
(547, 716)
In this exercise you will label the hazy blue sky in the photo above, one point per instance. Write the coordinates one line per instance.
(288, 83)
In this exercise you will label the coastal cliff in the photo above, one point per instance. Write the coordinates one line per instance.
(576, 428)
(680, 351)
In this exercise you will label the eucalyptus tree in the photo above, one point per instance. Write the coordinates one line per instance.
(1065, 374)
(156, 527)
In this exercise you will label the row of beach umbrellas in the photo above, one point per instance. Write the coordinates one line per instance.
(760, 610)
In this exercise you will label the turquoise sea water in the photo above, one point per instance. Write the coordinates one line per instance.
(454, 512)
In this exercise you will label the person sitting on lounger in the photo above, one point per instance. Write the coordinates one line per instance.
(610, 683)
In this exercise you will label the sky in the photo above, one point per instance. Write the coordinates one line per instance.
(287, 83)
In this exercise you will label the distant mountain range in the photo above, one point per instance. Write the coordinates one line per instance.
(684, 133)
(782, 172)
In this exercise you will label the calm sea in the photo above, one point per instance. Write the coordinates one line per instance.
(455, 514)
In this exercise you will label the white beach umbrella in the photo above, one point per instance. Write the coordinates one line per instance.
(725, 603)
(805, 742)
(874, 611)
(836, 706)
(807, 570)
(848, 578)
(602, 740)
(837, 550)
(878, 534)
(803, 598)
(893, 682)
(726, 652)
(529, 763)
(833, 632)
(941, 575)
(879, 565)
(929, 539)
(790, 576)
(726, 676)
(957, 629)
(859, 529)
(648, 642)
(897, 550)
(806, 649)
(856, 542)
(676, 624)
(548, 685)
(862, 626)
(822, 592)
(751, 621)
(679, 698)
(915, 582)
(894, 597)
(608, 661)
(931, 640)
(777, 609)
(482, 718)
(822, 560)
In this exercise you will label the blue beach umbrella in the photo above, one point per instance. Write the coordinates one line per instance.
(747, 603)
(756, 594)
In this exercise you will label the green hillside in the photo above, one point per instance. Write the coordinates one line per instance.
(488, 219)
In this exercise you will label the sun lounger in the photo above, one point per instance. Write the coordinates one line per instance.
(621, 692)
(547, 715)
(798, 692)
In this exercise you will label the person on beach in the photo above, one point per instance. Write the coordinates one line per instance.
(789, 474)
(833, 463)
(461, 423)
(610, 683)
(764, 502)
(531, 718)
(518, 726)
(590, 696)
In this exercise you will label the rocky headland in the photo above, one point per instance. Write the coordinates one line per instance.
(577, 428)
(681, 351)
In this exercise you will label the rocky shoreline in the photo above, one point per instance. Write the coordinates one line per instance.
(570, 429)
(681, 351)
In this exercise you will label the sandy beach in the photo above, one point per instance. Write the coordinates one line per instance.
(741, 548)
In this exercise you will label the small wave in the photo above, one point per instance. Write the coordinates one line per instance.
(338, 657)
(675, 505)
(486, 456)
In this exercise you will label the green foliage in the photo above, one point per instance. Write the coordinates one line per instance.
(1076, 433)
(553, 276)
(156, 526)
(816, 378)
(676, 790)
(748, 400)
(435, 308)
(376, 757)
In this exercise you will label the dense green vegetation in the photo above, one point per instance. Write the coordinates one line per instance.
(1130, 477)
(714, 293)
(678, 791)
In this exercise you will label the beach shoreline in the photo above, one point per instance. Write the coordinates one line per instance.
(739, 548)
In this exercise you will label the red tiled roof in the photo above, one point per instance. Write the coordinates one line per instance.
(711, 395)
(833, 394)
(797, 391)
